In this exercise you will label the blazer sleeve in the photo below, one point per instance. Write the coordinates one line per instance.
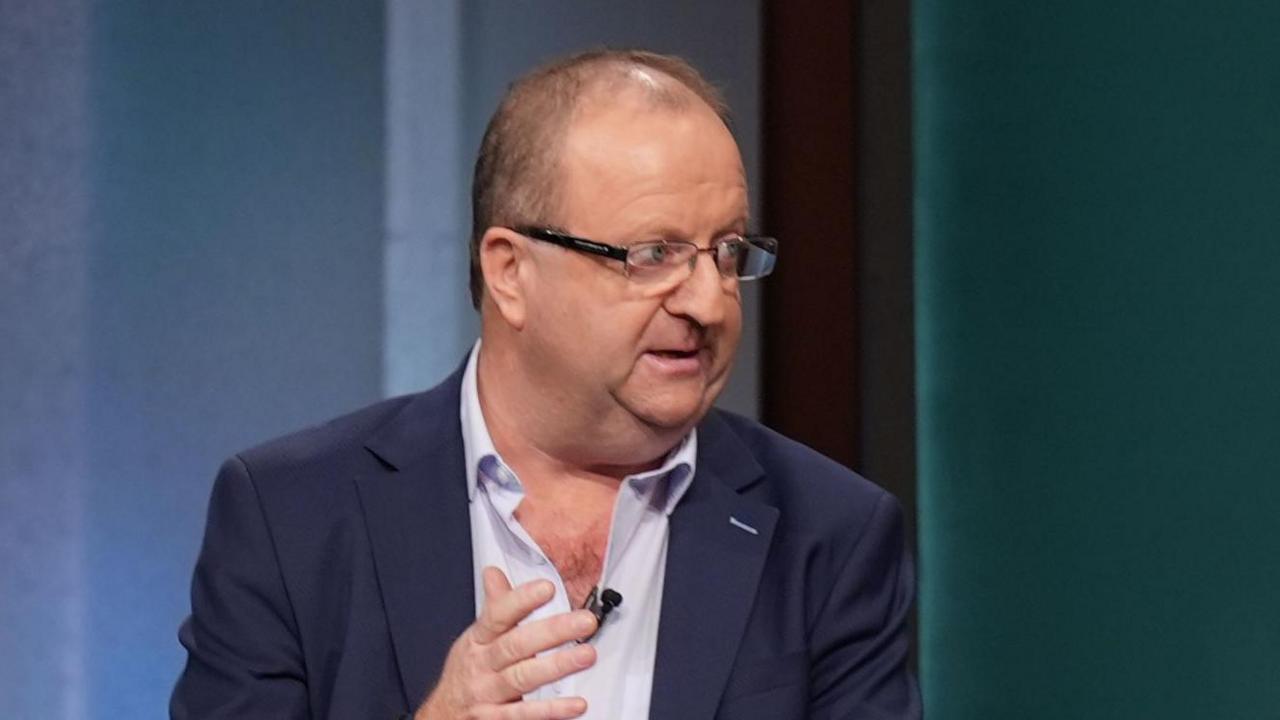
(860, 643)
(243, 654)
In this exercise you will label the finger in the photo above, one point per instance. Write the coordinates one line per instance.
(554, 709)
(529, 675)
(505, 611)
(495, 582)
(525, 641)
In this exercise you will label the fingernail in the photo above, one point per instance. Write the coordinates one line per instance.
(584, 623)
(583, 655)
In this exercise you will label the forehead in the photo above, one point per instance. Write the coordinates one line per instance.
(628, 149)
(640, 116)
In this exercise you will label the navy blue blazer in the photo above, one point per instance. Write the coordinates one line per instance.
(336, 572)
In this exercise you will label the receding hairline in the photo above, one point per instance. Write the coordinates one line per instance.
(603, 82)
(666, 80)
(518, 172)
(628, 98)
(591, 82)
(659, 87)
(651, 91)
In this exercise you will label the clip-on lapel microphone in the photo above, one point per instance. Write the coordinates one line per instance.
(601, 604)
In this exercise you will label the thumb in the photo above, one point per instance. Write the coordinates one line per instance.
(495, 583)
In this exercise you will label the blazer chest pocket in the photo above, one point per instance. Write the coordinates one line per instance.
(757, 677)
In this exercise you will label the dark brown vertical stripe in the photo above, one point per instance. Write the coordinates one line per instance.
(810, 301)
(886, 338)
(839, 344)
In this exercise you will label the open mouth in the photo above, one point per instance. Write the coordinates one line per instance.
(677, 363)
(675, 354)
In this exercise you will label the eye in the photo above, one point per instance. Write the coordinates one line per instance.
(649, 254)
(729, 255)
(731, 247)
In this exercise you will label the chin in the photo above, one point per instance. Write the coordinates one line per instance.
(671, 412)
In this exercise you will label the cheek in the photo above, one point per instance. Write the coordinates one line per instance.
(555, 325)
(592, 335)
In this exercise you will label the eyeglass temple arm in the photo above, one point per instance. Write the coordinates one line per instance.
(575, 243)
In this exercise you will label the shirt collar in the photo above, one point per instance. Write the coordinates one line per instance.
(477, 447)
(477, 444)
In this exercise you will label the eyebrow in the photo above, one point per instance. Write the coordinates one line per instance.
(645, 232)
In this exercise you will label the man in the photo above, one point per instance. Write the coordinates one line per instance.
(565, 527)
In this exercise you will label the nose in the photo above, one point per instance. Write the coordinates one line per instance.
(704, 295)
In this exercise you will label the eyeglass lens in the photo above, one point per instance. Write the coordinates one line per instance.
(742, 259)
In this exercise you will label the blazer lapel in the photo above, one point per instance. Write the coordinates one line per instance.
(420, 531)
(717, 547)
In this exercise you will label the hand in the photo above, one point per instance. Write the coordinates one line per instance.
(492, 664)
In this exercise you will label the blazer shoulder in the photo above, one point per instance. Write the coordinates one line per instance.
(330, 444)
(802, 482)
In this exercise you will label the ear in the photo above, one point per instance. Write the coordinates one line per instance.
(502, 255)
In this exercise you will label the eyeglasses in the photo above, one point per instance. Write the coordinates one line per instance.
(662, 262)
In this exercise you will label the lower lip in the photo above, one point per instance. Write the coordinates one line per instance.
(676, 365)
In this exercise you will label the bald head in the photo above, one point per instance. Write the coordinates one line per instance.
(517, 171)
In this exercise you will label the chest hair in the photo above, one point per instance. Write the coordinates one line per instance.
(575, 547)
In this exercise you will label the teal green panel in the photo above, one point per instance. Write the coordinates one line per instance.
(1098, 320)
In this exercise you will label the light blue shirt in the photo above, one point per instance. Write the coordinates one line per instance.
(618, 686)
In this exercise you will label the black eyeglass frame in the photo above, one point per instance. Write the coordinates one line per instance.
(615, 252)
